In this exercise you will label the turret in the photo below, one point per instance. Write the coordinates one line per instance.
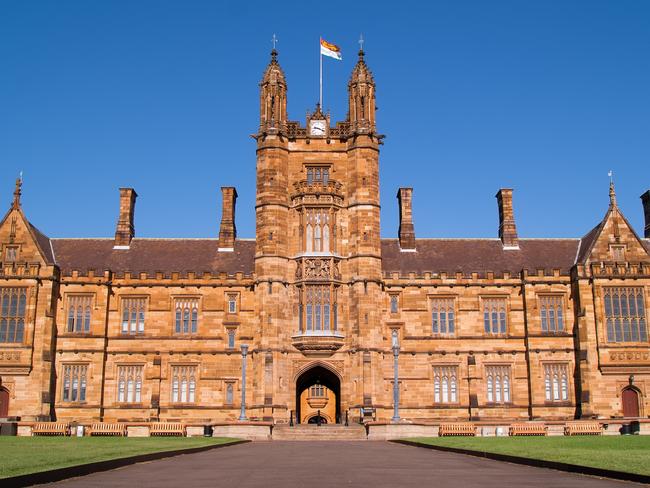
(361, 101)
(273, 98)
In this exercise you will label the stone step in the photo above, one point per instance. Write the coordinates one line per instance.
(324, 432)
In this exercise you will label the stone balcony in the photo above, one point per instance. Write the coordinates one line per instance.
(330, 192)
(322, 343)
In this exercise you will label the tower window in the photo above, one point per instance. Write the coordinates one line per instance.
(319, 309)
(232, 302)
(318, 223)
(318, 175)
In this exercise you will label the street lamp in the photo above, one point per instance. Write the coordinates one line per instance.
(244, 351)
(395, 347)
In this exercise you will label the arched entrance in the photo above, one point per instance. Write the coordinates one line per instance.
(630, 400)
(4, 402)
(318, 390)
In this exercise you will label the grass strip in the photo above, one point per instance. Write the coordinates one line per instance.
(626, 454)
(28, 455)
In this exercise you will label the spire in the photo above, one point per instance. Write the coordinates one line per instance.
(612, 191)
(17, 193)
(361, 101)
(273, 97)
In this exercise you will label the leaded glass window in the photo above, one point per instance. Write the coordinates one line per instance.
(498, 384)
(445, 384)
(556, 382)
(74, 382)
(79, 313)
(319, 302)
(129, 384)
(13, 308)
(183, 384)
(495, 315)
(443, 316)
(186, 315)
(625, 314)
(318, 229)
(552, 313)
(133, 312)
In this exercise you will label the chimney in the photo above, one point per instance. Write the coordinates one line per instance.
(125, 231)
(645, 199)
(507, 226)
(406, 229)
(228, 231)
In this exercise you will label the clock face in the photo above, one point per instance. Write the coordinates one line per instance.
(317, 128)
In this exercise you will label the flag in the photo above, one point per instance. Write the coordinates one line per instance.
(331, 50)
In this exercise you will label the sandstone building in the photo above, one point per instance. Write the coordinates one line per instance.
(136, 329)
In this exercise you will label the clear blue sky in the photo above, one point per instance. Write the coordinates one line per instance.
(542, 96)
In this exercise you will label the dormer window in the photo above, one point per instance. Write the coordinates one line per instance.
(318, 175)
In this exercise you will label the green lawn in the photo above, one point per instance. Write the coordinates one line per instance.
(24, 455)
(630, 454)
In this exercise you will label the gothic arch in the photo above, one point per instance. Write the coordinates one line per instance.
(631, 401)
(313, 364)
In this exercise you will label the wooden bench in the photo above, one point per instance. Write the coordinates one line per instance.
(107, 429)
(457, 429)
(166, 428)
(583, 428)
(532, 428)
(50, 428)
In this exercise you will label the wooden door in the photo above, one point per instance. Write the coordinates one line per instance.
(4, 402)
(630, 403)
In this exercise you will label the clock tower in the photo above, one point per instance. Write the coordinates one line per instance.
(318, 255)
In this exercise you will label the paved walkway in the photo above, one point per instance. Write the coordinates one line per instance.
(330, 464)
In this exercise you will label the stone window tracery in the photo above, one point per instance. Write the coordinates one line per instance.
(495, 315)
(74, 382)
(556, 382)
(445, 384)
(79, 313)
(129, 385)
(625, 314)
(318, 303)
(443, 316)
(186, 316)
(318, 230)
(498, 384)
(13, 309)
(552, 313)
(133, 312)
(183, 384)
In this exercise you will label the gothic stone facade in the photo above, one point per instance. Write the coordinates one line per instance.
(505, 328)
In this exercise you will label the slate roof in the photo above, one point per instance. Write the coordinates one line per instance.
(479, 255)
(153, 255)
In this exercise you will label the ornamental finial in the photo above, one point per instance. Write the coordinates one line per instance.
(612, 191)
(17, 191)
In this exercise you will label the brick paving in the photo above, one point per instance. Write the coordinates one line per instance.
(330, 464)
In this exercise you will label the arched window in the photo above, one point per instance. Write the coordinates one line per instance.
(183, 384)
(445, 384)
(498, 384)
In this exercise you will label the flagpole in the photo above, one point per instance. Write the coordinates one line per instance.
(320, 53)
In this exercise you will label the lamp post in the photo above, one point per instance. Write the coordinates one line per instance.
(244, 351)
(396, 377)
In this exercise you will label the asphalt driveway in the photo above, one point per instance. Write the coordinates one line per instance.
(330, 464)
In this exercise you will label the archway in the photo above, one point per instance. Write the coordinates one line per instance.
(318, 390)
(630, 400)
(4, 402)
